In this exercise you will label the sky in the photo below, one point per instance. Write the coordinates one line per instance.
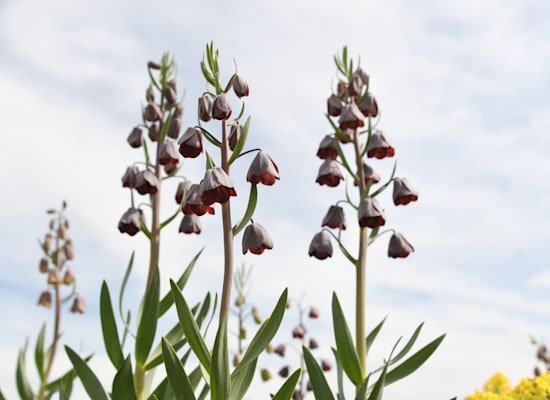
(463, 91)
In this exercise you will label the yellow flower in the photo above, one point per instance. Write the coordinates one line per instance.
(498, 384)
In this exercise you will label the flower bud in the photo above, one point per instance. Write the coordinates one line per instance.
(153, 65)
(216, 187)
(299, 332)
(192, 203)
(170, 169)
(283, 372)
(379, 146)
(47, 245)
(371, 177)
(320, 246)
(175, 127)
(242, 333)
(334, 106)
(313, 344)
(68, 249)
(262, 170)
(240, 300)
(68, 277)
(67, 223)
(53, 277)
(399, 247)
(181, 191)
(335, 218)
(355, 86)
(43, 266)
(234, 135)
(341, 89)
(61, 232)
(313, 313)
(168, 153)
(256, 315)
(327, 148)
(256, 239)
(329, 174)
(150, 94)
(154, 132)
(131, 221)
(190, 224)
(371, 214)
(190, 144)
(221, 109)
(178, 112)
(147, 182)
(351, 117)
(170, 93)
(240, 86)
(135, 138)
(53, 222)
(45, 299)
(326, 365)
(129, 177)
(152, 112)
(368, 106)
(403, 192)
(79, 305)
(237, 359)
(205, 108)
(280, 350)
(265, 374)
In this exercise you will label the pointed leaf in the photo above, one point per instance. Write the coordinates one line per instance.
(87, 377)
(339, 376)
(123, 288)
(39, 352)
(372, 335)
(190, 328)
(23, 385)
(321, 389)
(407, 346)
(378, 388)
(123, 383)
(179, 381)
(172, 337)
(109, 328)
(286, 391)
(347, 355)
(168, 299)
(241, 380)
(252, 200)
(240, 143)
(148, 322)
(219, 370)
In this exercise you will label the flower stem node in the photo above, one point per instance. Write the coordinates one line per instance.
(399, 247)
(329, 174)
(256, 239)
(320, 246)
(131, 221)
(403, 192)
(371, 214)
(216, 187)
(263, 170)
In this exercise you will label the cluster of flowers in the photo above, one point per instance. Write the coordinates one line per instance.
(498, 388)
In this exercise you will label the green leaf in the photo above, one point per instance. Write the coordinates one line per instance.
(347, 355)
(123, 288)
(123, 383)
(321, 389)
(39, 352)
(23, 385)
(65, 383)
(372, 335)
(286, 391)
(241, 380)
(109, 328)
(209, 161)
(252, 200)
(219, 371)
(168, 299)
(407, 346)
(148, 322)
(412, 363)
(172, 337)
(179, 381)
(87, 377)
(339, 376)
(190, 328)
(241, 142)
(378, 388)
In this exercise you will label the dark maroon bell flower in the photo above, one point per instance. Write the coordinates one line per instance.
(403, 192)
(192, 203)
(168, 153)
(364, 76)
(368, 106)
(299, 332)
(313, 344)
(320, 247)
(135, 138)
(256, 239)
(326, 365)
(371, 214)
(175, 127)
(190, 144)
(234, 135)
(170, 169)
(240, 86)
(154, 132)
(370, 175)
(216, 187)
(399, 247)
(129, 177)
(335, 218)
(379, 147)
(181, 191)
(205, 108)
(351, 117)
(147, 182)
(283, 372)
(327, 148)
(334, 106)
(221, 109)
(355, 86)
(131, 221)
(280, 350)
(170, 93)
(152, 112)
(341, 89)
(190, 224)
(262, 170)
(329, 174)
(313, 313)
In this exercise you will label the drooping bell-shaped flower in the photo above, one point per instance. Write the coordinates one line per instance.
(280, 350)
(135, 138)
(299, 332)
(329, 174)
(379, 147)
(371, 214)
(190, 144)
(68, 249)
(355, 86)
(334, 218)
(262, 170)
(351, 117)
(205, 108)
(190, 224)
(327, 148)
(131, 221)
(234, 135)
(368, 106)
(175, 127)
(320, 246)
(334, 105)
(256, 239)
(170, 93)
(221, 108)
(168, 153)
(240, 86)
(399, 247)
(45, 299)
(341, 89)
(79, 305)
(403, 192)
(181, 191)
(147, 182)
(371, 176)
(192, 203)
(152, 112)
(154, 132)
(68, 277)
(129, 177)
(216, 187)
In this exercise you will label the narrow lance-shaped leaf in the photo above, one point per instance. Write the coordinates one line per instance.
(123, 383)
(122, 290)
(39, 352)
(87, 377)
(372, 335)
(286, 391)
(23, 385)
(378, 388)
(219, 370)
(109, 328)
(176, 373)
(339, 376)
(147, 326)
(241, 380)
(321, 389)
(252, 200)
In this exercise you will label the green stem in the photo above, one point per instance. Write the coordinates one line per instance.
(139, 381)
